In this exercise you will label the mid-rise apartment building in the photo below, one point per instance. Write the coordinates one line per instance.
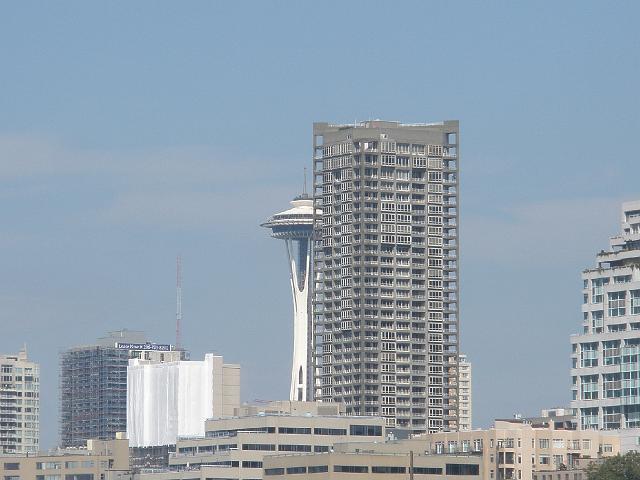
(465, 395)
(517, 449)
(98, 460)
(19, 404)
(234, 448)
(93, 384)
(386, 271)
(605, 370)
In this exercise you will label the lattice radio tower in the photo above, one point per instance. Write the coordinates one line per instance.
(178, 301)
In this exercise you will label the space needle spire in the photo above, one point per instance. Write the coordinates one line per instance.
(295, 227)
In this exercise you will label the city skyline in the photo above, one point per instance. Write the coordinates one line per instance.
(107, 176)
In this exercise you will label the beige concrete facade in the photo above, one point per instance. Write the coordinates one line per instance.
(100, 460)
(19, 404)
(234, 448)
(226, 388)
(371, 464)
(512, 449)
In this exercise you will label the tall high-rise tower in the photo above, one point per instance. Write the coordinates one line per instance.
(605, 368)
(386, 270)
(295, 227)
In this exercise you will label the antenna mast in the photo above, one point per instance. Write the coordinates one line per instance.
(178, 300)
(304, 185)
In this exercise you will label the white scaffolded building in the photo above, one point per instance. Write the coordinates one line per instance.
(167, 400)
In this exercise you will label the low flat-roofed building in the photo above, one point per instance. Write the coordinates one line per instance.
(100, 460)
(234, 448)
(373, 460)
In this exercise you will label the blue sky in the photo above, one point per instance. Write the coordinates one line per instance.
(133, 131)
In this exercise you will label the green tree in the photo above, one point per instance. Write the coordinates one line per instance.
(620, 467)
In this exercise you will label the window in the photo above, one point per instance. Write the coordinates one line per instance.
(365, 430)
(589, 419)
(635, 302)
(274, 471)
(589, 354)
(294, 470)
(351, 468)
(294, 448)
(462, 469)
(616, 304)
(250, 464)
(611, 352)
(588, 389)
(259, 446)
(384, 469)
(318, 468)
(597, 320)
(427, 470)
(12, 466)
(294, 431)
(597, 289)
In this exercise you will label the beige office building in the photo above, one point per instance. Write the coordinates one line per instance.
(19, 404)
(100, 460)
(516, 449)
(234, 448)
(373, 460)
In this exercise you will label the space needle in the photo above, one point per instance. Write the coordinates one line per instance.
(295, 227)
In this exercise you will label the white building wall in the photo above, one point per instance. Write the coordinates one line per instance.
(172, 399)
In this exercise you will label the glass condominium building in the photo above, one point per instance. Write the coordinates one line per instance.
(385, 299)
(605, 357)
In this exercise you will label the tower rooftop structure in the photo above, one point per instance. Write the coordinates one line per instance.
(296, 222)
(295, 227)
